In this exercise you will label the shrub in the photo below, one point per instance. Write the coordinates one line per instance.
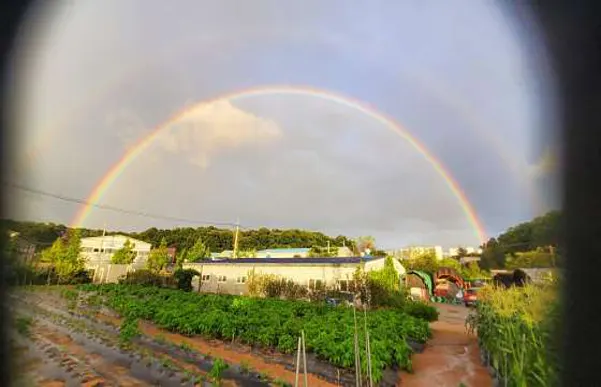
(148, 278)
(184, 278)
(421, 310)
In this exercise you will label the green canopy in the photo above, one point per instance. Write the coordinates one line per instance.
(425, 277)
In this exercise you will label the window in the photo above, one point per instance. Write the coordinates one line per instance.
(206, 277)
(241, 280)
(315, 284)
(221, 278)
(96, 250)
(343, 285)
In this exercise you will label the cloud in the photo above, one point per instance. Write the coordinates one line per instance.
(208, 129)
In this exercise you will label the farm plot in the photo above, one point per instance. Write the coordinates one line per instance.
(166, 337)
(274, 324)
(61, 346)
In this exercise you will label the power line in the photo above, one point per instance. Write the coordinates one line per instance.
(116, 209)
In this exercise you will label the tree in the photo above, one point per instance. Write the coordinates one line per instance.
(125, 255)
(365, 243)
(424, 262)
(473, 271)
(531, 259)
(181, 258)
(249, 253)
(461, 252)
(54, 252)
(158, 258)
(65, 256)
(199, 252)
(323, 252)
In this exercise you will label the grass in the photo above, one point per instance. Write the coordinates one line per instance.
(23, 325)
(281, 383)
(216, 372)
(518, 327)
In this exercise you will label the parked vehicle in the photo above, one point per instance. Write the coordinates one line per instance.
(470, 296)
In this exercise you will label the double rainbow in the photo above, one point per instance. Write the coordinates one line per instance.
(106, 182)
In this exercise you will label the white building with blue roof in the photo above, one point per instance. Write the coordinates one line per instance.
(230, 275)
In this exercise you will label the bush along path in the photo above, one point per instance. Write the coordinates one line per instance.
(451, 358)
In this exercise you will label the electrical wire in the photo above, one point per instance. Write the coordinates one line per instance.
(116, 209)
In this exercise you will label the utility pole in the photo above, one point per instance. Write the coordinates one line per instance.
(102, 241)
(235, 252)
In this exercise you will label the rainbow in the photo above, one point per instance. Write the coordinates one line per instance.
(129, 156)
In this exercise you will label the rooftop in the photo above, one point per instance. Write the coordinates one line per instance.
(288, 261)
(286, 250)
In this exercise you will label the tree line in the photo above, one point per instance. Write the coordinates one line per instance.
(530, 244)
(214, 239)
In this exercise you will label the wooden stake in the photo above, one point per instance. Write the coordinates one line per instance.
(304, 358)
(357, 353)
(367, 352)
(298, 355)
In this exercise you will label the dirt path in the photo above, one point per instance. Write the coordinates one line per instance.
(452, 356)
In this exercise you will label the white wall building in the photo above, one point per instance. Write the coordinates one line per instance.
(230, 275)
(99, 250)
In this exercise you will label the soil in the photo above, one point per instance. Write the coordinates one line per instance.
(451, 357)
(79, 346)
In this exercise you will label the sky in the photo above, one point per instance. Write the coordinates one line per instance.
(470, 83)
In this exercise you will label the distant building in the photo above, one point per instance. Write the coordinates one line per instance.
(100, 250)
(231, 275)
(415, 251)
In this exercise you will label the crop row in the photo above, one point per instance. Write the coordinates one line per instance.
(518, 332)
(273, 323)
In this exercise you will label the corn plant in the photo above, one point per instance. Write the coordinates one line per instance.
(516, 327)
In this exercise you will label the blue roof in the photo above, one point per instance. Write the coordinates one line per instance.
(290, 250)
(289, 261)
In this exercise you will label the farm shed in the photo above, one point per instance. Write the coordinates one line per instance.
(230, 275)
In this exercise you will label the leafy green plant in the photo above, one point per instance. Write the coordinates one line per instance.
(216, 372)
(421, 310)
(273, 323)
(128, 330)
(281, 383)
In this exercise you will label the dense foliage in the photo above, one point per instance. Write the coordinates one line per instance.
(148, 278)
(215, 239)
(125, 255)
(518, 329)
(273, 323)
(541, 235)
(158, 258)
(184, 278)
(427, 262)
